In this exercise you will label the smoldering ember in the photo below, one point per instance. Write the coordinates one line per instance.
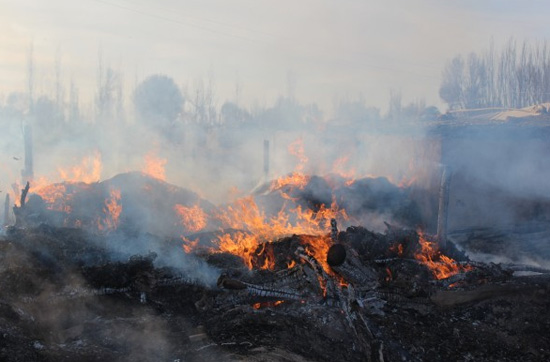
(449, 264)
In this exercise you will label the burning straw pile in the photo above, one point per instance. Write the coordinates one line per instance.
(253, 281)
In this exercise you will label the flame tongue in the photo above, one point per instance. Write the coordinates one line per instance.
(112, 211)
(257, 229)
(440, 265)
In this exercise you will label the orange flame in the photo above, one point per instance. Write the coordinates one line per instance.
(192, 218)
(88, 171)
(269, 258)
(240, 244)
(188, 245)
(245, 214)
(294, 180)
(112, 211)
(340, 168)
(296, 148)
(441, 266)
(57, 196)
(154, 166)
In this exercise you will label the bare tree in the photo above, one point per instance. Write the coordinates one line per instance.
(516, 77)
(108, 100)
(30, 76)
(452, 86)
(74, 112)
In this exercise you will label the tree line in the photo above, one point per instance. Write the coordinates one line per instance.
(516, 76)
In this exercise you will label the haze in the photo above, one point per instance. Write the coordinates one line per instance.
(255, 51)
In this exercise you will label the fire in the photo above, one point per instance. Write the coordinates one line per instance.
(188, 245)
(317, 246)
(294, 180)
(112, 211)
(398, 248)
(269, 258)
(192, 218)
(441, 266)
(259, 229)
(241, 244)
(88, 171)
(154, 166)
(296, 148)
(55, 196)
(340, 168)
(291, 264)
(267, 304)
(58, 195)
(389, 275)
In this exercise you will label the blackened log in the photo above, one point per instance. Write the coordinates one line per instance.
(24, 193)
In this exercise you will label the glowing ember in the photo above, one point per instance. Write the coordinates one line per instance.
(398, 248)
(440, 265)
(267, 304)
(154, 166)
(192, 218)
(389, 275)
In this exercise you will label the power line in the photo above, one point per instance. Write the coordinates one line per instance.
(319, 47)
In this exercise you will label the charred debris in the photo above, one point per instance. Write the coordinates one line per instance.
(68, 294)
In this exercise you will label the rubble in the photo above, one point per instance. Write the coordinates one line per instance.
(66, 297)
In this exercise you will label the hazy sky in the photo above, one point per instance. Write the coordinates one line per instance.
(344, 48)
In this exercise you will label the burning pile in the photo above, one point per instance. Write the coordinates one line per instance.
(282, 262)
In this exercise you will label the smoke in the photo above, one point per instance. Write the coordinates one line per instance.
(167, 253)
(219, 155)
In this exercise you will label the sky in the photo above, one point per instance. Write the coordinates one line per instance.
(331, 49)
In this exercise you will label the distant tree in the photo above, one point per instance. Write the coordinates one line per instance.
(46, 121)
(515, 77)
(108, 100)
(202, 100)
(430, 113)
(231, 114)
(356, 112)
(17, 104)
(395, 107)
(475, 83)
(451, 87)
(30, 77)
(158, 100)
(74, 109)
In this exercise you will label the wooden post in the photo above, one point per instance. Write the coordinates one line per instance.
(7, 211)
(443, 211)
(266, 159)
(28, 173)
